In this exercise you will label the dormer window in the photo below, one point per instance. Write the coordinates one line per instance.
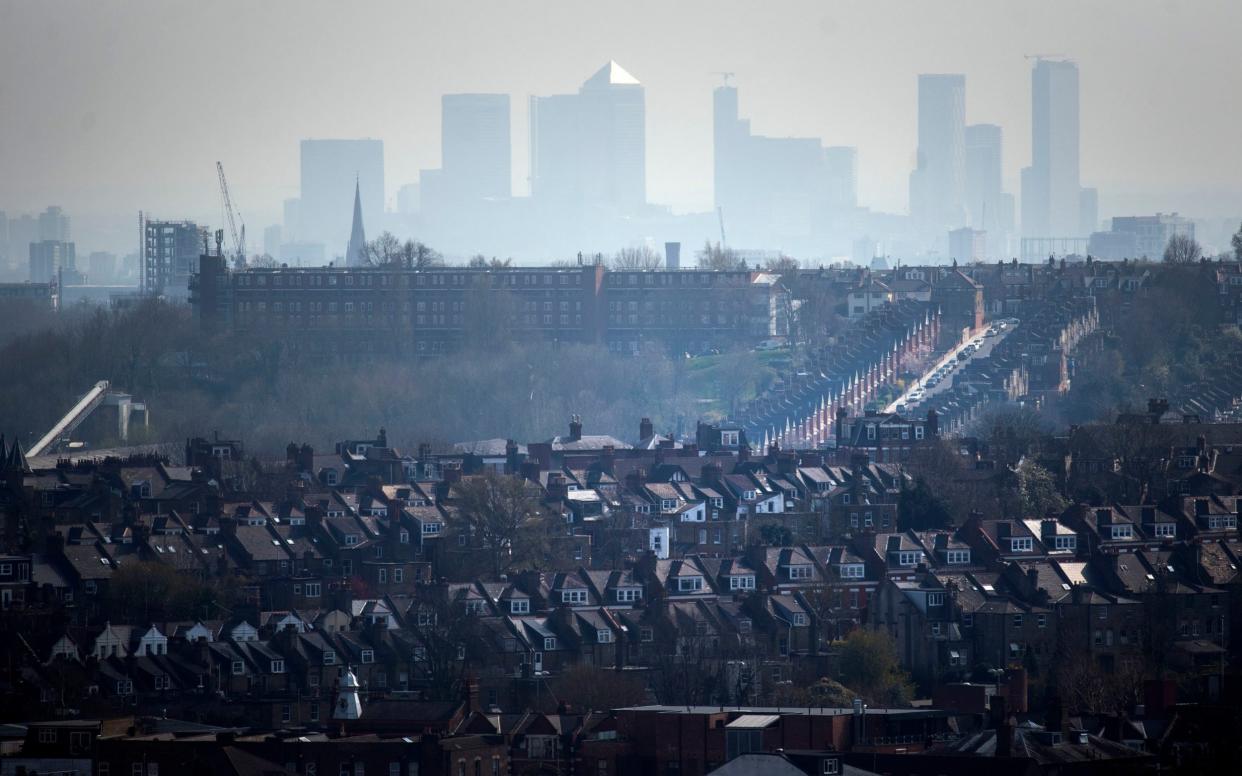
(689, 584)
(351, 540)
(852, 570)
(329, 658)
(908, 558)
(728, 438)
(519, 606)
(748, 495)
(800, 571)
(957, 557)
(718, 502)
(603, 636)
(1218, 522)
(368, 656)
(1165, 529)
(1066, 543)
(799, 620)
(1021, 544)
(1123, 531)
(627, 595)
(573, 596)
(668, 504)
(432, 528)
(935, 599)
(404, 536)
(278, 666)
(742, 582)
(549, 643)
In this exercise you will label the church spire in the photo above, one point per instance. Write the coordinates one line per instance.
(355, 254)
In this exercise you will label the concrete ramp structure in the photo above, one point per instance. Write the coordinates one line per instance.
(127, 411)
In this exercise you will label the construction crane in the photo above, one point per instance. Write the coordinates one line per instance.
(233, 217)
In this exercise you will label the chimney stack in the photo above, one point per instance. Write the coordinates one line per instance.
(645, 429)
(575, 428)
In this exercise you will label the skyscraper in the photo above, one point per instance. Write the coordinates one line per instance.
(475, 151)
(777, 191)
(592, 146)
(328, 167)
(1051, 188)
(54, 225)
(170, 253)
(988, 207)
(937, 183)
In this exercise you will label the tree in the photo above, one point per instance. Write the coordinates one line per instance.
(1037, 490)
(920, 509)
(1182, 249)
(479, 261)
(1237, 244)
(869, 664)
(447, 638)
(501, 516)
(641, 256)
(387, 251)
(716, 256)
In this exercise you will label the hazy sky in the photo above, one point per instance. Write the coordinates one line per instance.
(109, 107)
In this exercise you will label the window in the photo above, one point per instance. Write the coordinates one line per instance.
(239, 668)
(398, 575)
(935, 599)
(799, 620)
(573, 596)
(957, 557)
(1066, 543)
(852, 571)
(549, 643)
(404, 536)
(1123, 531)
(800, 572)
(136, 769)
(742, 582)
(368, 656)
(47, 736)
(1042, 620)
(519, 606)
(935, 628)
(1017, 621)
(968, 620)
(286, 713)
(603, 636)
(394, 769)
(629, 594)
(278, 666)
(689, 584)
(104, 768)
(329, 657)
(382, 576)
(646, 634)
(1021, 544)
(1165, 529)
(908, 558)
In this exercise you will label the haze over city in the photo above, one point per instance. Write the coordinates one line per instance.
(549, 388)
(109, 108)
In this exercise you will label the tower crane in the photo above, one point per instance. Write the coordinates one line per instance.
(234, 218)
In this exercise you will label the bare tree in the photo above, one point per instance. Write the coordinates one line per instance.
(479, 261)
(1182, 249)
(637, 257)
(387, 251)
(503, 518)
(716, 256)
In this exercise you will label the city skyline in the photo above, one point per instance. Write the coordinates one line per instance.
(872, 109)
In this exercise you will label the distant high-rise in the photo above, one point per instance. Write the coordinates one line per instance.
(328, 169)
(170, 254)
(777, 191)
(841, 170)
(988, 206)
(48, 257)
(475, 150)
(272, 238)
(54, 225)
(1051, 188)
(937, 185)
(591, 147)
(4, 239)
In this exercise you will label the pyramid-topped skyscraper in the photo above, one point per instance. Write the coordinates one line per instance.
(589, 150)
(356, 253)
